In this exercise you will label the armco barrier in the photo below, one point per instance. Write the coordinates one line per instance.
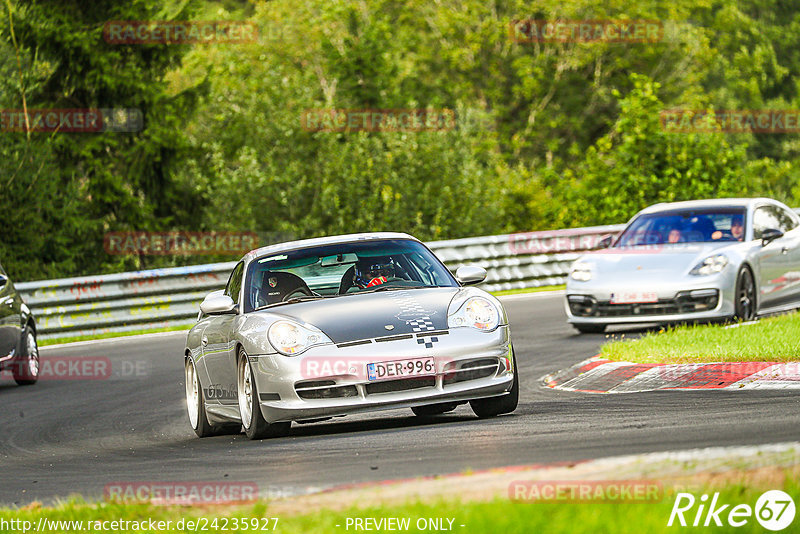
(157, 298)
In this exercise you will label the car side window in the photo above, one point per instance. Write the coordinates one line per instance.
(234, 286)
(766, 217)
(789, 218)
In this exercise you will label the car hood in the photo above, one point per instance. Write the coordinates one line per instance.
(365, 316)
(675, 259)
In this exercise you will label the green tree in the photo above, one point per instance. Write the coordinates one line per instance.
(638, 163)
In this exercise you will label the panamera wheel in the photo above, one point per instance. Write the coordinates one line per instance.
(745, 304)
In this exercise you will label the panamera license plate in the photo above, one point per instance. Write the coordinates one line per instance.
(634, 297)
(401, 369)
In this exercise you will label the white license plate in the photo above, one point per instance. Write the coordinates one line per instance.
(634, 297)
(401, 369)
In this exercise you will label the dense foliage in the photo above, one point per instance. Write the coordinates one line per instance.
(546, 135)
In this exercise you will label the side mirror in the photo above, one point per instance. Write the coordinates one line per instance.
(470, 274)
(769, 235)
(3, 280)
(606, 241)
(215, 304)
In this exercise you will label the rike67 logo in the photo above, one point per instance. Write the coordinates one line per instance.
(774, 510)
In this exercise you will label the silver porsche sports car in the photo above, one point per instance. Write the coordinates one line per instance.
(319, 328)
(698, 260)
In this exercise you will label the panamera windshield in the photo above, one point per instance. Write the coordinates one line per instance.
(685, 226)
(343, 269)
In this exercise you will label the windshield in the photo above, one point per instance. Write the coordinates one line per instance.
(343, 269)
(685, 226)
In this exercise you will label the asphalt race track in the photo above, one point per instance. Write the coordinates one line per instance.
(61, 437)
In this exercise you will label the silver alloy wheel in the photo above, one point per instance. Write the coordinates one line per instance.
(245, 389)
(192, 394)
(33, 356)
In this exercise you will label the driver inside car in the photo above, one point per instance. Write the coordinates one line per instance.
(372, 273)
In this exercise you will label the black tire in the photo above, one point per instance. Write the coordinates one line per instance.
(196, 402)
(745, 303)
(499, 405)
(430, 410)
(590, 328)
(255, 426)
(25, 368)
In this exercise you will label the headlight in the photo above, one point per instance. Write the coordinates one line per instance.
(710, 265)
(581, 271)
(476, 312)
(291, 338)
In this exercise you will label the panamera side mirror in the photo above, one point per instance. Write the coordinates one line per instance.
(470, 274)
(215, 304)
(606, 241)
(769, 235)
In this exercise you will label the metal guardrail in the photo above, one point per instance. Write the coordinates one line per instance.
(159, 298)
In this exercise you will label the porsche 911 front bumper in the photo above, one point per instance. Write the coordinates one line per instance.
(332, 380)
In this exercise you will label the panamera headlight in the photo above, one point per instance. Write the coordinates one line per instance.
(711, 265)
(475, 312)
(581, 271)
(290, 338)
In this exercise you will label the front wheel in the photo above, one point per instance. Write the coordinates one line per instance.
(499, 405)
(26, 368)
(255, 426)
(745, 304)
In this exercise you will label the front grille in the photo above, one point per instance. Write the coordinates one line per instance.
(471, 371)
(405, 384)
(662, 307)
(685, 302)
(323, 389)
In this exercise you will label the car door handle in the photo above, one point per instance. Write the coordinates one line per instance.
(205, 341)
(784, 250)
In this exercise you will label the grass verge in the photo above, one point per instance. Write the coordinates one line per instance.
(528, 290)
(499, 514)
(774, 339)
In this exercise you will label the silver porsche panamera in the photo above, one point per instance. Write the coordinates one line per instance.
(690, 261)
(314, 329)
